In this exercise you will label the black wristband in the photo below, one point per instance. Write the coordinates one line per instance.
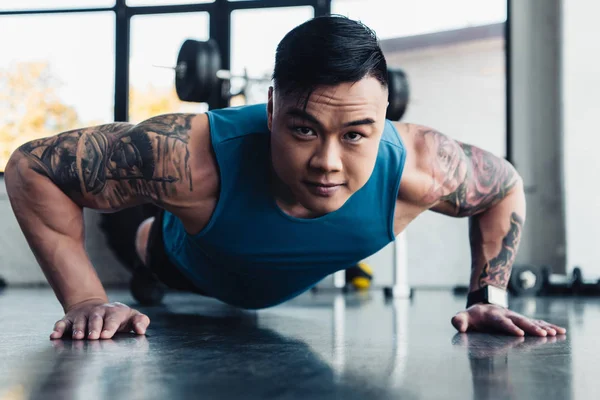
(478, 296)
(488, 295)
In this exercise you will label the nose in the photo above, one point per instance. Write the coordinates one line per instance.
(327, 157)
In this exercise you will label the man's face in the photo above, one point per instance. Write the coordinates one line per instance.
(327, 152)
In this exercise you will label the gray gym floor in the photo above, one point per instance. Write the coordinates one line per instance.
(318, 346)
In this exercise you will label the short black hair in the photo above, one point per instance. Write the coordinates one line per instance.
(326, 51)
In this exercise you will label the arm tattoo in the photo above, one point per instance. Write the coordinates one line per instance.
(118, 162)
(466, 179)
(497, 270)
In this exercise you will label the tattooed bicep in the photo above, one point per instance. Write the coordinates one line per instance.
(117, 165)
(463, 180)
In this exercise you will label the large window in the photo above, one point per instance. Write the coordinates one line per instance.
(155, 43)
(57, 74)
(254, 38)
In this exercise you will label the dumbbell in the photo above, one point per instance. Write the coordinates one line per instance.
(526, 280)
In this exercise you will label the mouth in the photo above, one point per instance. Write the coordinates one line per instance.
(323, 189)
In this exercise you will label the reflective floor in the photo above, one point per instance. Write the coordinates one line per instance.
(318, 346)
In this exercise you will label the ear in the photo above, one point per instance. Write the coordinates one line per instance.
(270, 109)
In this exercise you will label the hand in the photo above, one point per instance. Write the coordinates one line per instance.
(495, 319)
(96, 319)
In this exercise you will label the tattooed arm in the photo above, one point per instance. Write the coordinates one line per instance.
(165, 160)
(467, 181)
(460, 180)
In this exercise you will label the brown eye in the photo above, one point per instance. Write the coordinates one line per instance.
(353, 136)
(303, 131)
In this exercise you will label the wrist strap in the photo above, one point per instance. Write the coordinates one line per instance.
(478, 296)
(488, 295)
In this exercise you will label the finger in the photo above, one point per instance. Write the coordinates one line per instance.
(461, 321)
(59, 328)
(528, 325)
(79, 325)
(508, 326)
(112, 322)
(95, 323)
(559, 330)
(551, 331)
(139, 323)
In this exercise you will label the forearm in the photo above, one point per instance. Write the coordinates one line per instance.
(495, 235)
(53, 226)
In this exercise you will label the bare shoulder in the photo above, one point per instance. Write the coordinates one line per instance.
(425, 149)
(184, 157)
(166, 160)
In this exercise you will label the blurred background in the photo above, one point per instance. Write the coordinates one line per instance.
(516, 78)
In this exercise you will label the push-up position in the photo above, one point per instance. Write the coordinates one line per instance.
(262, 202)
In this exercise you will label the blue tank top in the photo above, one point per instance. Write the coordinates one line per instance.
(253, 255)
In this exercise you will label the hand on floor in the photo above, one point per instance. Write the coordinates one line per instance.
(98, 320)
(494, 319)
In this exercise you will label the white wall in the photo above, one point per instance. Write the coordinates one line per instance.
(581, 108)
(460, 91)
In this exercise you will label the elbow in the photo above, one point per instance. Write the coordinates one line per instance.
(515, 196)
(11, 170)
(18, 174)
(518, 185)
(514, 183)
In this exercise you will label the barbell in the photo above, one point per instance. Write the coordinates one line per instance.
(198, 74)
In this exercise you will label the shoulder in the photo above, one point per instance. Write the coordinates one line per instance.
(424, 144)
(184, 153)
(433, 162)
(183, 140)
(237, 122)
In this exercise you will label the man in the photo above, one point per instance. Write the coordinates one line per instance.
(262, 202)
